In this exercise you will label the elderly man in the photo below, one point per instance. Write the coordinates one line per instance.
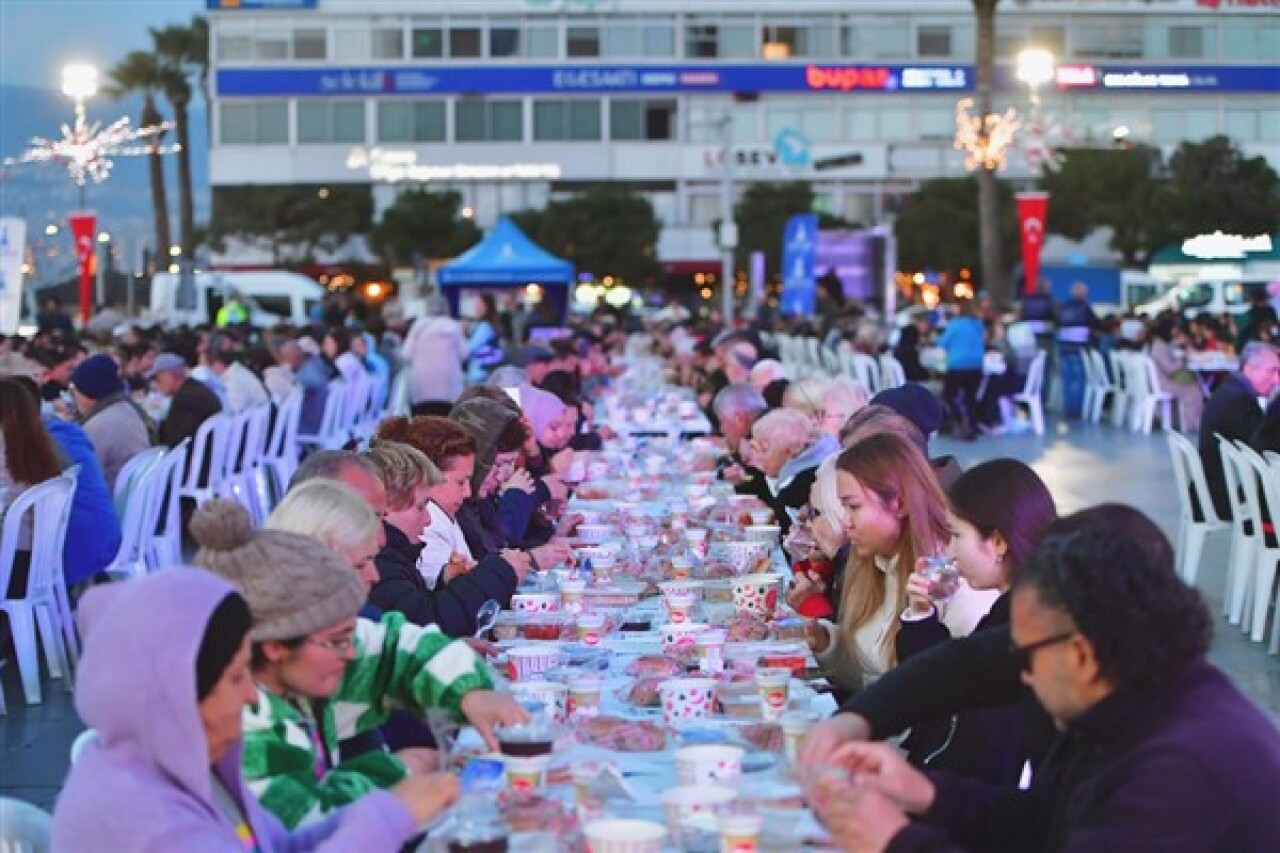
(296, 367)
(737, 408)
(787, 449)
(1235, 411)
(1159, 751)
(118, 428)
(244, 389)
(191, 402)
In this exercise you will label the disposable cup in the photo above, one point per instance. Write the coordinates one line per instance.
(681, 633)
(552, 694)
(739, 833)
(795, 725)
(685, 699)
(613, 835)
(761, 516)
(584, 694)
(711, 650)
(683, 803)
(681, 569)
(590, 628)
(526, 774)
(680, 606)
(571, 592)
(708, 764)
(774, 684)
(526, 663)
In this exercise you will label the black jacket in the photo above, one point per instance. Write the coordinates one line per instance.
(452, 605)
(1232, 411)
(192, 405)
(1190, 765)
(985, 743)
(792, 497)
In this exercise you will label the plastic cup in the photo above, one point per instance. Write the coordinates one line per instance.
(708, 764)
(761, 516)
(680, 606)
(774, 684)
(552, 694)
(571, 595)
(526, 663)
(683, 803)
(526, 774)
(739, 833)
(584, 694)
(611, 835)
(711, 650)
(681, 633)
(590, 628)
(685, 699)
(795, 725)
(681, 569)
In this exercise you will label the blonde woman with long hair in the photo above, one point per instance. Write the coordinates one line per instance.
(895, 513)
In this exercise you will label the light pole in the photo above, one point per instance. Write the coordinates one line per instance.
(728, 237)
(80, 82)
(1035, 67)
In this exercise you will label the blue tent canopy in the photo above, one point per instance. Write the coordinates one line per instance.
(505, 258)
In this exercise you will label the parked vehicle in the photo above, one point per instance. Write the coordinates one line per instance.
(270, 297)
(1211, 296)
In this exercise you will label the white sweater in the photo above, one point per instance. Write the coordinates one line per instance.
(441, 539)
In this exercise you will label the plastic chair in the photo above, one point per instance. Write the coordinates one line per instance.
(281, 457)
(1197, 516)
(207, 461)
(43, 604)
(164, 522)
(138, 497)
(1102, 387)
(1263, 569)
(892, 374)
(1030, 395)
(1246, 528)
(241, 482)
(329, 434)
(24, 828)
(1154, 396)
(864, 369)
(398, 396)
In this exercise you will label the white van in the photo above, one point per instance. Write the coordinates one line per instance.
(270, 297)
(1211, 296)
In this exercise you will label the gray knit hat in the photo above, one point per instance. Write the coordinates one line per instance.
(295, 585)
(485, 419)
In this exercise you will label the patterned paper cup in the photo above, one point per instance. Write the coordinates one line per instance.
(590, 628)
(681, 633)
(757, 594)
(526, 663)
(708, 764)
(680, 607)
(584, 694)
(535, 602)
(742, 556)
(552, 694)
(775, 689)
(685, 699)
(571, 592)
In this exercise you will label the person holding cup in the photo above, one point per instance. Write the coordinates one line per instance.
(997, 512)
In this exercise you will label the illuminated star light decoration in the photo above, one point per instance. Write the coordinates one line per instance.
(87, 150)
(985, 140)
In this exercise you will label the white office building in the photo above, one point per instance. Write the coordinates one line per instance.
(513, 102)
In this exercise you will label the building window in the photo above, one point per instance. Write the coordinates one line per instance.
(933, 42)
(815, 119)
(1252, 40)
(582, 42)
(411, 121)
(542, 43)
(234, 47)
(321, 122)
(783, 41)
(309, 44)
(642, 120)
(568, 121)
(464, 42)
(488, 121)
(1186, 42)
(388, 43)
(504, 42)
(638, 40)
(271, 46)
(351, 44)
(428, 43)
(261, 123)
(875, 39)
(720, 40)
(1100, 39)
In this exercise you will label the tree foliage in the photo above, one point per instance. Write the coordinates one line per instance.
(762, 213)
(425, 223)
(297, 217)
(1213, 186)
(938, 227)
(140, 72)
(603, 231)
(1111, 187)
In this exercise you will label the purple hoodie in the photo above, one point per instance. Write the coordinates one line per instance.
(540, 407)
(144, 784)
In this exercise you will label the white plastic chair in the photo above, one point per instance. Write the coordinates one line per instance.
(398, 396)
(241, 481)
(892, 374)
(135, 501)
(24, 828)
(1030, 395)
(830, 360)
(1103, 387)
(1263, 569)
(281, 457)
(207, 461)
(329, 436)
(43, 604)
(1153, 395)
(1193, 492)
(1246, 528)
(164, 522)
(863, 368)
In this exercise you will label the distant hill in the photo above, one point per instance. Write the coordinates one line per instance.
(123, 203)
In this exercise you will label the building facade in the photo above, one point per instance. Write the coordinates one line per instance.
(514, 102)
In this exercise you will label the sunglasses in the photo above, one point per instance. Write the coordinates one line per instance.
(1025, 655)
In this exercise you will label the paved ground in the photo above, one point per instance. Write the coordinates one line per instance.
(1083, 466)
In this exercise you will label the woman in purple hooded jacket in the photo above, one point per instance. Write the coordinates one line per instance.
(163, 681)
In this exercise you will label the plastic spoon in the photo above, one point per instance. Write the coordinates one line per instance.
(486, 616)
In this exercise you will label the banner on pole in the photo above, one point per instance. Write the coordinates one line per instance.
(1033, 214)
(84, 227)
(799, 252)
(13, 242)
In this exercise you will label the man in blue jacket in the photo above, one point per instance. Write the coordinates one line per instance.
(1158, 750)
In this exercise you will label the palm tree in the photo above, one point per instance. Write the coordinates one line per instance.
(993, 277)
(139, 72)
(180, 51)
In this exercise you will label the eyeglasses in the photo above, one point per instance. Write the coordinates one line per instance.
(340, 646)
(1025, 654)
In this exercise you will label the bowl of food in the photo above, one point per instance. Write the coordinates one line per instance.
(743, 557)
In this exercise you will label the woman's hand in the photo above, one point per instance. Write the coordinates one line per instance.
(521, 480)
(458, 565)
(804, 585)
(559, 464)
(426, 796)
(419, 760)
(485, 709)
(826, 736)
(918, 593)
(816, 636)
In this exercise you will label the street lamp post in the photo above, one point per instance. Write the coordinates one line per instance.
(728, 236)
(1035, 67)
(80, 82)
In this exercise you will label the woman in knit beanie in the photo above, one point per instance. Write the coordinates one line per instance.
(312, 655)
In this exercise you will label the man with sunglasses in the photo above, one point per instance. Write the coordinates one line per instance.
(1158, 750)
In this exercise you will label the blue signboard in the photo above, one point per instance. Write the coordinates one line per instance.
(232, 5)
(589, 79)
(437, 79)
(799, 252)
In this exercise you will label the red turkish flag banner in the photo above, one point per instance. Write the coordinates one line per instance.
(84, 230)
(1033, 213)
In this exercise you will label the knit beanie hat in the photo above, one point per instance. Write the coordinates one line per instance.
(96, 377)
(485, 419)
(295, 585)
